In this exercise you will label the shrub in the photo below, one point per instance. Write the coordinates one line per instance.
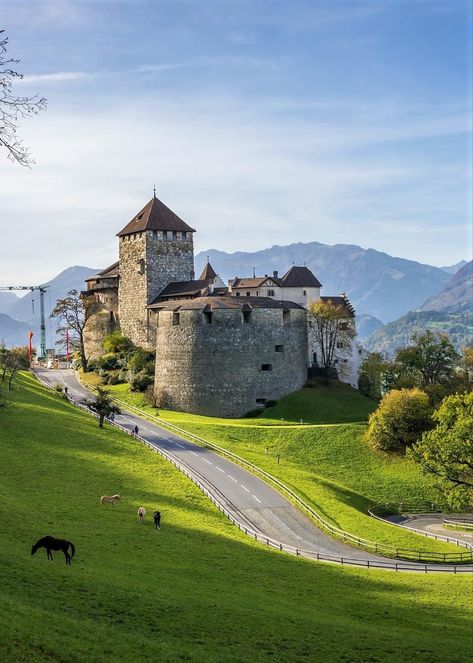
(116, 342)
(110, 361)
(401, 418)
(141, 360)
(114, 379)
(139, 381)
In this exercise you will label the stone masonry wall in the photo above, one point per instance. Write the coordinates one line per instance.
(148, 262)
(216, 369)
(103, 321)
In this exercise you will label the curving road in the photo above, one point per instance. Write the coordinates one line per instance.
(251, 501)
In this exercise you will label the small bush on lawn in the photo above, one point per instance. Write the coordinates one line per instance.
(401, 418)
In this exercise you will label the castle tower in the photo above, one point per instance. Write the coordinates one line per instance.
(155, 248)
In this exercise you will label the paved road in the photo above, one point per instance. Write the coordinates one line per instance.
(433, 523)
(252, 501)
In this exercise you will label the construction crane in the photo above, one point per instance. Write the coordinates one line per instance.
(42, 289)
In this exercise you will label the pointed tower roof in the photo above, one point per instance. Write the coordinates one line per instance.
(155, 216)
(208, 273)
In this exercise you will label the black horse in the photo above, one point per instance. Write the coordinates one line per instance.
(50, 543)
(157, 519)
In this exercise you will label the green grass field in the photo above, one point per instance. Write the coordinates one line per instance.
(196, 591)
(328, 465)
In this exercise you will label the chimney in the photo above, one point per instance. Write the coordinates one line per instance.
(275, 274)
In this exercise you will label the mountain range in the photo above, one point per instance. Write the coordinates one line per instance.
(376, 283)
(450, 311)
(20, 314)
(382, 288)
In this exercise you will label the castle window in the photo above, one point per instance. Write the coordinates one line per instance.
(237, 294)
(246, 316)
(248, 294)
(266, 367)
(270, 293)
(141, 266)
(184, 235)
(155, 234)
(286, 316)
(339, 344)
(165, 234)
(279, 348)
(304, 292)
(208, 317)
(343, 325)
(257, 293)
(174, 234)
(175, 319)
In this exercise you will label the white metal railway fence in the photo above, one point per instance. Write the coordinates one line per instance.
(431, 563)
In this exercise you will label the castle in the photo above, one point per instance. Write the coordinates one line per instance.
(220, 350)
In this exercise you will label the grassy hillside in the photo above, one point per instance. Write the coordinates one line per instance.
(329, 465)
(198, 590)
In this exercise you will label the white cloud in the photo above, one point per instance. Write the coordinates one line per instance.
(245, 180)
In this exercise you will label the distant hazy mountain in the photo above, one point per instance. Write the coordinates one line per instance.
(365, 326)
(6, 300)
(450, 312)
(458, 292)
(453, 269)
(26, 309)
(13, 332)
(376, 283)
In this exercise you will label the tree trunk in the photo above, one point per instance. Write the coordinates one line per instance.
(101, 418)
(10, 381)
(83, 358)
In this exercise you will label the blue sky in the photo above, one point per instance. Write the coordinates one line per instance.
(261, 123)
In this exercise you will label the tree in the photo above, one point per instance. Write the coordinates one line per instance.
(102, 405)
(447, 450)
(12, 108)
(331, 326)
(401, 418)
(372, 372)
(74, 313)
(432, 360)
(12, 361)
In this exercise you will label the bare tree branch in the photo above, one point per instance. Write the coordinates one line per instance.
(12, 108)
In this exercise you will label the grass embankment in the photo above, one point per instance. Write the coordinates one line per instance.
(328, 464)
(198, 590)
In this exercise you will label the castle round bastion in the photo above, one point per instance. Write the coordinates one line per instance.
(224, 356)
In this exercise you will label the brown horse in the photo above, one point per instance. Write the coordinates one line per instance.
(105, 499)
(50, 543)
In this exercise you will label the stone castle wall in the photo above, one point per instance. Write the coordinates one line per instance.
(216, 368)
(103, 321)
(148, 262)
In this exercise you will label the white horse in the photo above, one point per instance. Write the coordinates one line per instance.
(141, 514)
(105, 499)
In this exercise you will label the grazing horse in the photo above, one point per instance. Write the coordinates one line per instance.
(141, 514)
(157, 519)
(50, 543)
(109, 498)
